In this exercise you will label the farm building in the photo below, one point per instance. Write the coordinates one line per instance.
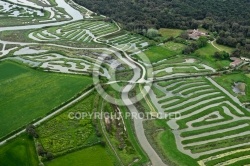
(236, 62)
(196, 34)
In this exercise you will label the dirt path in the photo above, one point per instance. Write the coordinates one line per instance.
(215, 45)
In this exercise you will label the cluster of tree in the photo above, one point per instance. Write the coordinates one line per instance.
(151, 33)
(31, 131)
(228, 19)
(242, 51)
(222, 55)
(43, 153)
(201, 42)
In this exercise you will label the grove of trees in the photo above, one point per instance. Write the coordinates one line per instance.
(229, 20)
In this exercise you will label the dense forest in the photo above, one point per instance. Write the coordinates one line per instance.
(229, 20)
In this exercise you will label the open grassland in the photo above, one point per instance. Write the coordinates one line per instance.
(213, 128)
(63, 134)
(227, 81)
(27, 94)
(205, 54)
(216, 64)
(209, 50)
(157, 53)
(167, 33)
(176, 47)
(92, 156)
(224, 48)
(20, 151)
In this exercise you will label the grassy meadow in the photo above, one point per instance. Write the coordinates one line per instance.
(28, 94)
(167, 33)
(157, 53)
(176, 47)
(205, 54)
(164, 143)
(92, 156)
(19, 152)
(224, 48)
(209, 50)
(62, 134)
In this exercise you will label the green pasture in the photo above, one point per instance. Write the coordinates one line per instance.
(92, 156)
(19, 152)
(28, 94)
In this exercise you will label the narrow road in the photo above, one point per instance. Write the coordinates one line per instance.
(50, 115)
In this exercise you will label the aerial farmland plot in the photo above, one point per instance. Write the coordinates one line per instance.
(90, 83)
(18, 81)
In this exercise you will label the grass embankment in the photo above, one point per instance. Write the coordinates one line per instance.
(163, 140)
(133, 153)
(20, 151)
(28, 94)
(158, 92)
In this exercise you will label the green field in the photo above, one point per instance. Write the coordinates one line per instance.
(206, 56)
(224, 48)
(176, 47)
(227, 81)
(61, 133)
(28, 94)
(157, 53)
(170, 32)
(19, 152)
(92, 156)
(209, 50)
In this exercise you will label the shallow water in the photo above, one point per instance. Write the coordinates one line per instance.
(27, 50)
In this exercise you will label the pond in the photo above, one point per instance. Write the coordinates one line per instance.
(239, 88)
